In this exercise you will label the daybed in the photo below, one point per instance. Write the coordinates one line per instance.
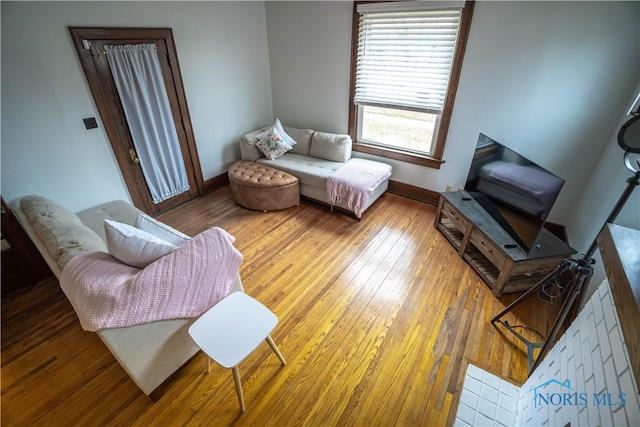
(148, 352)
(314, 158)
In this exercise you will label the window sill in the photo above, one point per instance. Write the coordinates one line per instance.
(404, 156)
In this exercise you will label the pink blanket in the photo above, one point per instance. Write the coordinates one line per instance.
(354, 183)
(185, 283)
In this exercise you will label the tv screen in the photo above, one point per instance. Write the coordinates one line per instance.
(516, 192)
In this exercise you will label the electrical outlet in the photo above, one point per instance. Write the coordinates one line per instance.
(90, 123)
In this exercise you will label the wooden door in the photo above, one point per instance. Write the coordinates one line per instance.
(89, 43)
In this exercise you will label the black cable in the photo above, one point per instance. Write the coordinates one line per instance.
(525, 327)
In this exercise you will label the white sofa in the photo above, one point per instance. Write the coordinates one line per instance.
(315, 157)
(149, 352)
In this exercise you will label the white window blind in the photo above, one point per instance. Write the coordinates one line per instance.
(404, 57)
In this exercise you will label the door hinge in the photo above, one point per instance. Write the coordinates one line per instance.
(86, 44)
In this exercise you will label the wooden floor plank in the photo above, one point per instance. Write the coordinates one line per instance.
(378, 320)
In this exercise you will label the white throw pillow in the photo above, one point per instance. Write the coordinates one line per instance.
(331, 146)
(303, 139)
(277, 126)
(161, 230)
(133, 246)
(273, 145)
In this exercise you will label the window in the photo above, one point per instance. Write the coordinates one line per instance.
(406, 60)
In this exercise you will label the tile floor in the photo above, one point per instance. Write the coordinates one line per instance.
(486, 400)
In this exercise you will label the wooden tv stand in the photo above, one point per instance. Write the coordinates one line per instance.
(492, 253)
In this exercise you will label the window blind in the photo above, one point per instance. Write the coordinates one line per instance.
(404, 58)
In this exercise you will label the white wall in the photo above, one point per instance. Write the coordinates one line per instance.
(310, 54)
(601, 193)
(548, 79)
(223, 55)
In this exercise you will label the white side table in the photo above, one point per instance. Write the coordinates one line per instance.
(231, 330)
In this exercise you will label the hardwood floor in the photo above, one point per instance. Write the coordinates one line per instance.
(378, 320)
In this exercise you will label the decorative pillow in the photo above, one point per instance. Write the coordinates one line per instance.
(277, 126)
(146, 223)
(133, 246)
(273, 145)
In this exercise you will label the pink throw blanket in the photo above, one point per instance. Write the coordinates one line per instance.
(185, 283)
(354, 183)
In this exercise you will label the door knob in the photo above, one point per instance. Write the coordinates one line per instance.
(134, 156)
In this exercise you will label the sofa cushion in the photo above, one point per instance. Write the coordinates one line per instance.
(133, 246)
(116, 210)
(331, 146)
(303, 139)
(248, 149)
(273, 145)
(162, 231)
(76, 249)
(59, 229)
(309, 170)
(65, 240)
(35, 207)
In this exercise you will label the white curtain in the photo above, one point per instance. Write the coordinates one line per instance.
(138, 76)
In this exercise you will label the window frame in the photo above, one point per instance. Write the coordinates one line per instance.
(434, 159)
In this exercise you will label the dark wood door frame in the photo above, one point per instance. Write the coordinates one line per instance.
(101, 96)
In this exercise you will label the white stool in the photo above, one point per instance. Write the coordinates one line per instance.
(231, 330)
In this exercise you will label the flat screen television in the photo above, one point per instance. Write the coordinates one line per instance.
(515, 191)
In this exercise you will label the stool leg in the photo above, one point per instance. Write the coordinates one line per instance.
(275, 350)
(236, 379)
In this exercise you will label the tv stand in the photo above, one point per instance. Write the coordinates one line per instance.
(492, 253)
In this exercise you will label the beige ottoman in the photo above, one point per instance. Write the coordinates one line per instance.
(262, 188)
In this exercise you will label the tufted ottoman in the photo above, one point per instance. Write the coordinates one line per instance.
(258, 187)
